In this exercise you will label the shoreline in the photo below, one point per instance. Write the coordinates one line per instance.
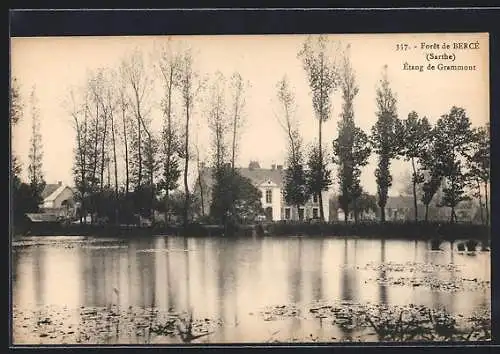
(405, 231)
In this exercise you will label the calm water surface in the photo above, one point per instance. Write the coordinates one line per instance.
(233, 280)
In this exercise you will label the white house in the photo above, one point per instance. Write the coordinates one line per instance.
(270, 182)
(58, 199)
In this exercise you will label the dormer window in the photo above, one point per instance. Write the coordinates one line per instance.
(269, 196)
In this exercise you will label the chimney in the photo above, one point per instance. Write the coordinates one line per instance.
(273, 167)
(279, 167)
(59, 183)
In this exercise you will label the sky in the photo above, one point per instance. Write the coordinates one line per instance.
(52, 66)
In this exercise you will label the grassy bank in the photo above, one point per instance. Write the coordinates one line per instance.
(410, 230)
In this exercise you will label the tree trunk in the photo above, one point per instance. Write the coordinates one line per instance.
(150, 161)
(382, 214)
(234, 139)
(452, 216)
(426, 212)
(355, 209)
(108, 173)
(113, 139)
(200, 183)
(81, 155)
(167, 208)
(127, 172)
(320, 194)
(321, 113)
(139, 151)
(486, 203)
(96, 150)
(103, 149)
(151, 177)
(480, 201)
(414, 189)
(168, 147)
(186, 166)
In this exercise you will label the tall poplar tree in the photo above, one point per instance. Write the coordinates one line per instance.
(384, 140)
(35, 166)
(318, 60)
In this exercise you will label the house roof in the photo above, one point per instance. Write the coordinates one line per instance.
(52, 191)
(255, 175)
(56, 193)
(49, 189)
(260, 175)
(406, 202)
(400, 202)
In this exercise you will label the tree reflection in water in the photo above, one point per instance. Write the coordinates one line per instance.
(233, 280)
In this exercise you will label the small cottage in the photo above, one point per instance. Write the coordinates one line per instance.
(58, 199)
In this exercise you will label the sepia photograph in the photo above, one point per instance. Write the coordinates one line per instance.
(214, 189)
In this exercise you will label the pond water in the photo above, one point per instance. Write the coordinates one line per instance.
(102, 291)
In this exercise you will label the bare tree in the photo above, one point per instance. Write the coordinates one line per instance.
(79, 116)
(169, 65)
(109, 104)
(237, 88)
(139, 86)
(138, 89)
(98, 89)
(199, 167)
(124, 108)
(295, 191)
(93, 108)
(189, 85)
(217, 119)
(286, 118)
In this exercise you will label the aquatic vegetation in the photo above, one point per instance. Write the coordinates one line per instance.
(272, 313)
(425, 275)
(369, 322)
(107, 325)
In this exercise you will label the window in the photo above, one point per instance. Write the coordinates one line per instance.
(287, 213)
(315, 198)
(269, 196)
(315, 213)
(301, 213)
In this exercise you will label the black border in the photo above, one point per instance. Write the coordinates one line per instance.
(286, 21)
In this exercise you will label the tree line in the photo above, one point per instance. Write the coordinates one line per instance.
(451, 154)
(123, 167)
(26, 196)
(112, 112)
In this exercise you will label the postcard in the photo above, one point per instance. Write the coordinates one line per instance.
(214, 189)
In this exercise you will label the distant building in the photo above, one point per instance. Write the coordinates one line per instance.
(365, 215)
(270, 182)
(58, 199)
(401, 208)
